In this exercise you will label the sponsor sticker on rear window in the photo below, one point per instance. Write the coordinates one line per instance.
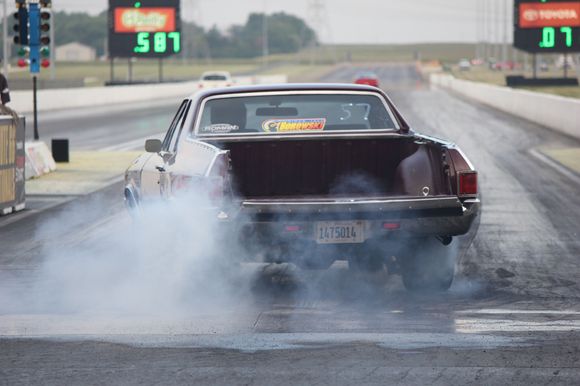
(288, 125)
(220, 128)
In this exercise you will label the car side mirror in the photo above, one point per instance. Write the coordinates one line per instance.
(153, 145)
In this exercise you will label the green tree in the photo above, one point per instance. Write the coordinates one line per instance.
(286, 34)
(81, 27)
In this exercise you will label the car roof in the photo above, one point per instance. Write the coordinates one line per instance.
(285, 87)
(367, 74)
(226, 73)
(289, 87)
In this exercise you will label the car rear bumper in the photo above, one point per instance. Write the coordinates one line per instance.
(438, 216)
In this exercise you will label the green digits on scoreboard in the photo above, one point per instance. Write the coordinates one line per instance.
(159, 42)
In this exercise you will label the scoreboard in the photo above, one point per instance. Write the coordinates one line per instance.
(144, 28)
(544, 26)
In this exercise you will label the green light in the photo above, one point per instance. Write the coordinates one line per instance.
(45, 52)
(568, 32)
(548, 37)
(138, 4)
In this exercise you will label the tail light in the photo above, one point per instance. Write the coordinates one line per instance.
(467, 184)
(391, 226)
(293, 228)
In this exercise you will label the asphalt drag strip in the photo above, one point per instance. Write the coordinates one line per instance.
(85, 297)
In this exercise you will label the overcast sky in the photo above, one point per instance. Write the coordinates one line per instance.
(345, 21)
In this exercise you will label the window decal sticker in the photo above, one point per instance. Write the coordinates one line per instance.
(288, 125)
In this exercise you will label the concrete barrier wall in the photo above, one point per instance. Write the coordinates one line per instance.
(59, 99)
(557, 113)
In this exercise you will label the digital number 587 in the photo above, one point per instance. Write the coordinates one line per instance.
(158, 42)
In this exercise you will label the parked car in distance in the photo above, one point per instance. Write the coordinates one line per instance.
(215, 79)
(368, 77)
(508, 65)
(464, 65)
(477, 62)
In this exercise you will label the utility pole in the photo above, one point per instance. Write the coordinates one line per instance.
(318, 21)
(480, 20)
(485, 30)
(265, 48)
(491, 28)
(504, 52)
(52, 48)
(497, 29)
(477, 29)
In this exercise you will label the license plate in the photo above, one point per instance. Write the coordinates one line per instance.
(340, 232)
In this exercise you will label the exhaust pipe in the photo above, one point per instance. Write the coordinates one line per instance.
(445, 240)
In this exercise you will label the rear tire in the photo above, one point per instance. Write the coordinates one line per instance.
(428, 266)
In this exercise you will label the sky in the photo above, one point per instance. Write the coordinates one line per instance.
(345, 21)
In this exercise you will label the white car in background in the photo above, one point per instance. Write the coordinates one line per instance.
(464, 65)
(215, 79)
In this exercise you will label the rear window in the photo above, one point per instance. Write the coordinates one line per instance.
(370, 75)
(215, 77)
(271, 114)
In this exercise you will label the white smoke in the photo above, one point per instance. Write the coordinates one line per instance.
(171, 260)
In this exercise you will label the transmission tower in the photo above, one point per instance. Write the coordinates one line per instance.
(193, 43)
(318, 20)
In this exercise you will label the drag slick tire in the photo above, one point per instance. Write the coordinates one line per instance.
(429, 265)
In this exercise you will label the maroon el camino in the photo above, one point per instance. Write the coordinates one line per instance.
(314, 173)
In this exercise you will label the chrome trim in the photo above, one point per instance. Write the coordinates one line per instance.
(194, 133)
(283, 202)
(328, 134)
(467, 161)
(350, 205)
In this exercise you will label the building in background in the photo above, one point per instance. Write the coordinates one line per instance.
(75, 52)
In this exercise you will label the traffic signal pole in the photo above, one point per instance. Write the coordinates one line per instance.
(34, 28)
(35, 106)
(5, 52)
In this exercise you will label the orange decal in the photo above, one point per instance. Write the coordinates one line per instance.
(132, 20)
(537, 15)
(287, 125)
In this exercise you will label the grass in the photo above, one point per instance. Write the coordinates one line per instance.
(444, 52)
(485, 75)
(298, 65)
(307, 65)
(97, 73)
(301, 72)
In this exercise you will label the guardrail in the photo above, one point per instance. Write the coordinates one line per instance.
(83, 97)
(12, 165)
(555, 112)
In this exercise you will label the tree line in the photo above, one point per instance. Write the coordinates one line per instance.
(286, 34)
